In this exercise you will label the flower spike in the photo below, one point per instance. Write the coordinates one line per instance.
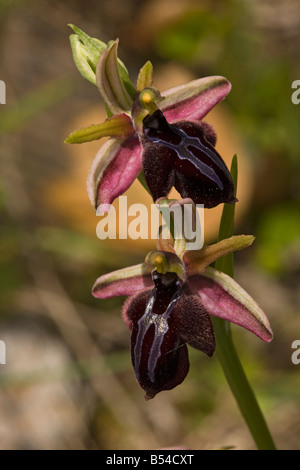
(160, 137)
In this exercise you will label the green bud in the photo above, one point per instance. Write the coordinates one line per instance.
(86, 52)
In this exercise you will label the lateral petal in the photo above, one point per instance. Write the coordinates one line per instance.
(223, 297)
(113, 170)
(194, 99)
(126, 281)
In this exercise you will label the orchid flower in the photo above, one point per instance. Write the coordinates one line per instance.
(161, 134)
(171, 296)
(160, 138)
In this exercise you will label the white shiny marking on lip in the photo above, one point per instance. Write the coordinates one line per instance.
(184, 153)
(160, 322)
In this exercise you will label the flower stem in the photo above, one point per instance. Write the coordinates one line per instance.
(240, 386)
(226, 351)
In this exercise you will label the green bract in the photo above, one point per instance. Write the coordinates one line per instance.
(86, 53)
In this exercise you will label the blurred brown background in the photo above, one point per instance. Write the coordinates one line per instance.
(68, 382)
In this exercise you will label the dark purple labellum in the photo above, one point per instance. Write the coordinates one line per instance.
(163, 321)
(159, 355)
(182, 155)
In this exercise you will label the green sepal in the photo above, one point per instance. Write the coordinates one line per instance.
(86, 53)
(198, 261)
(117, 126)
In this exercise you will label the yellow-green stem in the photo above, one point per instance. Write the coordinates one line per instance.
(225, 348)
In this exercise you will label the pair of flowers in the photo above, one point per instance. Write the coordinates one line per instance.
(173, 293)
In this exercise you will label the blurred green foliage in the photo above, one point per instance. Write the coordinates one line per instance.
(278, 233)
(14, 116)
(12, 274)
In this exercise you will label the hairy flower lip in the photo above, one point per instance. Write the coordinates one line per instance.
(160, 333)
(182, 156)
